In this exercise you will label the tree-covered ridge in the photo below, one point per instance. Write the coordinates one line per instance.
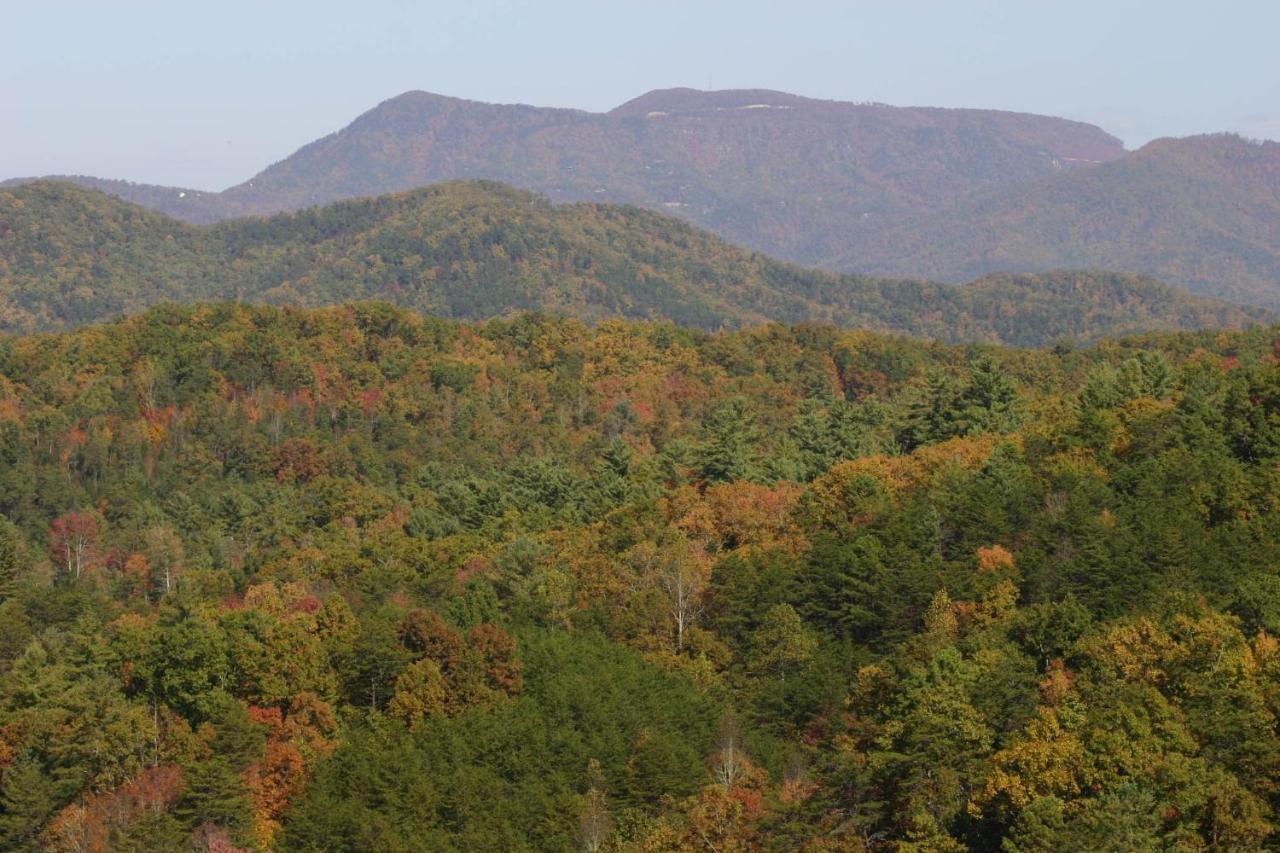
(1201, 212)
(195, 205)
(476, 250)
(944, 195)
(355, 579)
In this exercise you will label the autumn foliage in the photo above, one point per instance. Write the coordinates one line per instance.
(299, 579)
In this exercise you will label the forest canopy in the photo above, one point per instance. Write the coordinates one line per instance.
(354, 578)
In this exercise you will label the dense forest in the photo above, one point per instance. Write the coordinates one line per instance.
(352, 578)
(70, 256)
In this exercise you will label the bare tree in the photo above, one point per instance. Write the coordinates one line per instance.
(595, 824)
(165, 554)
(682, 581)
(728, 762)
(675, 569)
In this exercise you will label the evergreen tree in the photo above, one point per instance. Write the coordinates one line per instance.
(812, 437)
(214, 794)
(214, 790)
(845, 588)
(8, 559)
(934, 414)
(728, 453)
(152, 832)
(990, 402)
(1039, 828)
(28, 799)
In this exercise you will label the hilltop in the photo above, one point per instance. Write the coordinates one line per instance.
(474, 249)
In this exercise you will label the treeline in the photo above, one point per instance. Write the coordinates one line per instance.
(70, 256)
(357, 579)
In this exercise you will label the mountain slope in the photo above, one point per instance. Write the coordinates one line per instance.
(70, 255)
(783, 174)
(923, 193)
(1203, 212)
(188, 205)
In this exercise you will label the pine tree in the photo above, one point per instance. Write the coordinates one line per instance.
(1039, 828)
(728, 453)
(215, 794)
(151, 831)
(616, 457)
(934, 416)
(29, 798)
(812, 438)
(8, 560)
(990, 402)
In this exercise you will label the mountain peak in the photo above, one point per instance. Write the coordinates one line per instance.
(413, 102)
(690, 101)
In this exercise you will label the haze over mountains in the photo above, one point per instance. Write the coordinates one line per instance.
(1203, 212)
(69, 255)
(932, 193)
(940, 194)
(757, 166)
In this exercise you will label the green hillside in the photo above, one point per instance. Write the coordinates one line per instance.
(473, 250)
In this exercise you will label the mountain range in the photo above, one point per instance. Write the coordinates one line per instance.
(71, 255)
(946, 194)
(1203, 212)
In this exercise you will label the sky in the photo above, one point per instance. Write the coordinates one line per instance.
(205, 95)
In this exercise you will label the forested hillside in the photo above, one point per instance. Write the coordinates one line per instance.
(1201, 212)
(474, 250)
(196, 205)
(357, 579)
(921, 193)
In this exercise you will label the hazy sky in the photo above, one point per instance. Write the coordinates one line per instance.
(206, 94)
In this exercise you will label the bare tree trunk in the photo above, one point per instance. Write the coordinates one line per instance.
(595, 825)
(729, 761)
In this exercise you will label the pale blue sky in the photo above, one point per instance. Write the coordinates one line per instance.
(206, 94)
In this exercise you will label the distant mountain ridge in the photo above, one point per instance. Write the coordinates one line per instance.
(942, 194)
(1203, 212)
(780, 173)
(69, 255)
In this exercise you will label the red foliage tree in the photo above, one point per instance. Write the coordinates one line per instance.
(73, 543)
